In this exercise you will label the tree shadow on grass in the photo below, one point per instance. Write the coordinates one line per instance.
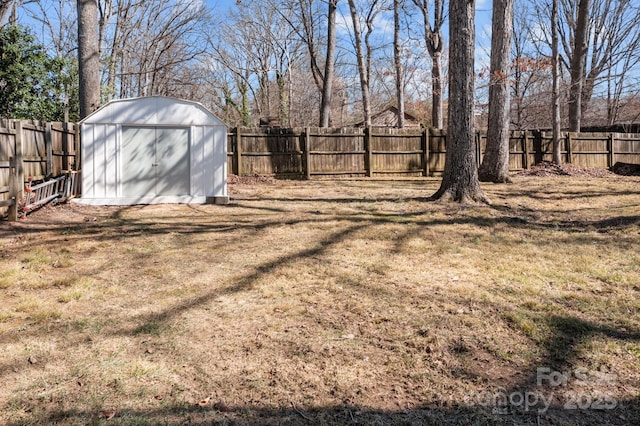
(245, 283)
(219, 413)
(559, 350)
(561, 385)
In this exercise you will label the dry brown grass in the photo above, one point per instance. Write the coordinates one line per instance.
(326, 302)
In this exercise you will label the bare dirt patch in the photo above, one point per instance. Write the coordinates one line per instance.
(328, 302)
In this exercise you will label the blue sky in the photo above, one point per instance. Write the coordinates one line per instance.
(483, 17)
(483, 21)
(483, 12)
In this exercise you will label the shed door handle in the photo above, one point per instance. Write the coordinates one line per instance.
(155, 164)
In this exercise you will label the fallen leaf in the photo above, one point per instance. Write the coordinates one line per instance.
(107, 414)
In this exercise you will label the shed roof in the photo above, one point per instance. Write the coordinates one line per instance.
(153, 110)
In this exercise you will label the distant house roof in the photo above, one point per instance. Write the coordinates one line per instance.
(269, 122)
(388, 117)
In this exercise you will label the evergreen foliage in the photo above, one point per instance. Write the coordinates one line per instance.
(34, 85)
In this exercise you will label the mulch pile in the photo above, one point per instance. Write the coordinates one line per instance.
(547, 168)
(626, 169)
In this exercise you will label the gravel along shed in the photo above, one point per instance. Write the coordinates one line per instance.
(153, 150)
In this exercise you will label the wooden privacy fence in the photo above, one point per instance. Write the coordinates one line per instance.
(34, 151)
(313, 152)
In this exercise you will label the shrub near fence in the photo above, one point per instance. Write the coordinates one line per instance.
(312, 152)
(32, 151)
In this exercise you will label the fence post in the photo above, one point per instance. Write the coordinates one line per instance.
(478, 151)
(16, 190)
(48, 147)
(238, 151)
(612, 154)
(77, 143)
(65, 146)
(569, 142)
(525, 162)
(77, 158)
(368, 156)
(425, 151)
(307, 153)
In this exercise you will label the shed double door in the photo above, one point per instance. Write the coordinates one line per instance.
(155, 161)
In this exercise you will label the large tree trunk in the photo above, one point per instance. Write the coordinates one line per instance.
(88, 57)
(578, 61)
(495, 164)
(437, 89)
(460, 180)
(397, 61)
(362, 68)
(329, 66)
(433, 41)
(555, 96)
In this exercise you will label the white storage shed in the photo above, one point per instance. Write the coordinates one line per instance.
(153, 150)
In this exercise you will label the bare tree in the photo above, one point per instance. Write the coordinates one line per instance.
(7, 8)
(329, 65)
(607, 51)
(577, 65)
(555, 96)
(308, 22)
(614, 48)
(495, 163)
(146, 47)
(363, 54)
(435, 45)
(88, 56)
(304, 23)
(397, 63)
(530, 76)
(234, 54)
(460, 179)
(261, 55)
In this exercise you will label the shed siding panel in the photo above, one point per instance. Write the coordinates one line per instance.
(101, 161)
(219, 161)
(88, 161)
(111, 160)
(198, 160)
(209, 139)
